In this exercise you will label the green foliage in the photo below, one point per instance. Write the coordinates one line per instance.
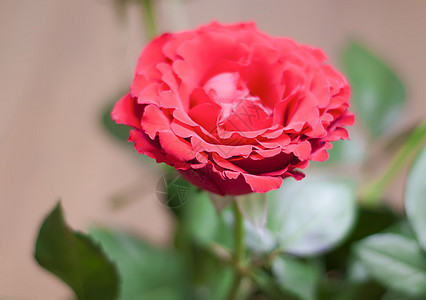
(369, 221)
(174, 191)
(121, 132)
(296, 277)
(118, 131)
(212, 278)
(367, 290)
(147, 272)
(200, 230)
(378, 93)
(202, 223)
(76, 259)
(396, 261)
(307, 240)
(345, 152)
(254, 208)
(309, 218)
(392, 295)
(415, 198)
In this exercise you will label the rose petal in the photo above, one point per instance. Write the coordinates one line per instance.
(127, 112)
(176, 146)
(154, 121)
(144, 145)
(223, 150)
(301, 150)
(262, 184)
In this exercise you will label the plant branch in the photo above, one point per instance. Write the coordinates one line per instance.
(260, 278)
(149, 19)
(239, 250)
(372, 193)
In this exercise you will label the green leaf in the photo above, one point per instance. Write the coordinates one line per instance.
(260, 241)
(173, 191)
(254, 208)
(295, 277)
(76, 259)
(147, 272)
(378, 94)
(119, 131)
(356, 271)
(201, 232)
(201, 218)
(402, 227)
(392, 295)
(220, 202)
(368, 290)
(203, 223)
(310, 217)
(349, 151)
(415, 198)
(383, 217)
(396, 261)
(212, 278)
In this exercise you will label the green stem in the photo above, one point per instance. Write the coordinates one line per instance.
(239, 250)
(238, 234)
(371, 195)
(260, 278)
(149, 20)
(266, 284)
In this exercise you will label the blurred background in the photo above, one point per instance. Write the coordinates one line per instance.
(62, 61)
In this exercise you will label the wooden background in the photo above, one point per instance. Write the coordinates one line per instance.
(61, 60)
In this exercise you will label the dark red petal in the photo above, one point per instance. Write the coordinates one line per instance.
(209, 179)
(253, 165)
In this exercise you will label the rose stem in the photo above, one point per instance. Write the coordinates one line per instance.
(239, 250)
(260, 278)
(372, 193)
(148, 17)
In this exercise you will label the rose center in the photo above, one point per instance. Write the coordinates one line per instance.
(239, 107)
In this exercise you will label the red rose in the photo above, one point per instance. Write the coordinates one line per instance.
(232, 109)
